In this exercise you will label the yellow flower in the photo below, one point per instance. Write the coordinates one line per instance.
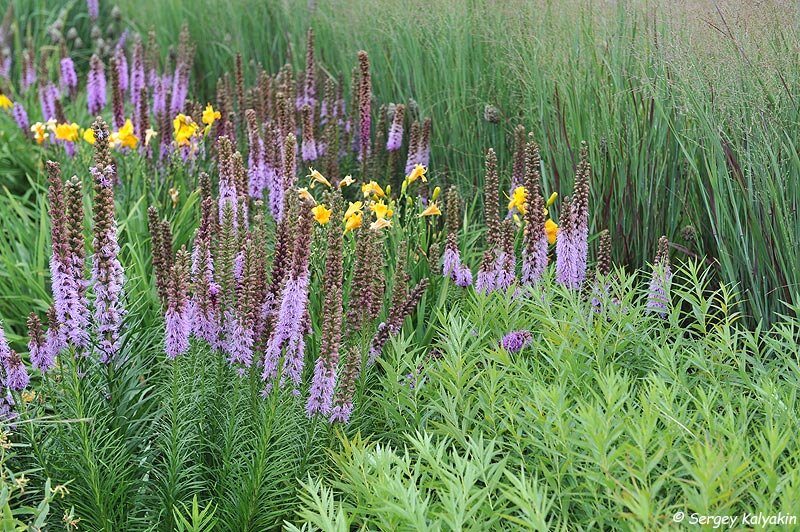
(321, 214)
(353, 222)
(551, 229)
(5, 103)
(124, 138)
(354, 209)
(416, 173)
(552, 199)
(149, 133)
(372, 188)
(210, 115)
(317, 177)
(88, 135)
(432, 210)
(28, 396)
(306, 195)
(174, 194)
(185, 129)
(379, 224)
(518, 198)
(347, 181)
(381, 210)
(39, 132)
(68, 132)
(51, 125)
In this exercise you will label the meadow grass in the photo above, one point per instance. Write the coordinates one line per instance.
(610, 417)
(686, 108)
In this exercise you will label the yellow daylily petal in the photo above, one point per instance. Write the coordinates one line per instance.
(317, 177)
(353, 222)
(379, 224)
(551, 229)
(372, 188)
(416, 173)
(432, 210)
(306, 195)
(354, 209)
(322, 214)
(210, 115)
(67, 132)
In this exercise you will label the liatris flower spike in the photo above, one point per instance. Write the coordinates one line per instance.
(514, 341)
(658, 291)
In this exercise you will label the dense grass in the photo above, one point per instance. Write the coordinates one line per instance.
(607, 421)
(611, 418)
(686, 110)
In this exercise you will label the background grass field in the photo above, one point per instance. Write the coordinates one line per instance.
(688, 110)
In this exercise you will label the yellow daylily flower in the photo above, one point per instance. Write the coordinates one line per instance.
(51, 125)
(372, 188)
(149, 133)
(174, 195)
(5, 103)
(353, 222)
(210, 115)
(381, 210)
(551, 199)
(416, 173)
(518, 198)
(347, 181)
(432, 210)
(67, 132)
(306, 195)
(39, 132)
(124, 137)
(322, 214)
(88, 135)
(551, 229)
(354, 209)
(379, 224)
(185, 129)
(317, 177)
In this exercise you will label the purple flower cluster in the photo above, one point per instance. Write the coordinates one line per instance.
(93, 7)
(453, 267)
(21, 118)
(572, 243)
(96, 86)
(289, 331)
(14, 376)
(514, 341)
(658, 296)
(48, 94)
(69, 79)
(395, 139)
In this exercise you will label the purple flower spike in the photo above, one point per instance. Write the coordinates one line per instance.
(21, 118)
(93, 7)
(69, 79)
(96, 86)
(514, 341)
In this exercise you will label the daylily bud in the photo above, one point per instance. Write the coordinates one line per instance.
(436, 192)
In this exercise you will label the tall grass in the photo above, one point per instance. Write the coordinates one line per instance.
(688, 110)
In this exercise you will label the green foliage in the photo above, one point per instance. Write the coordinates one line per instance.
(609, 419)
